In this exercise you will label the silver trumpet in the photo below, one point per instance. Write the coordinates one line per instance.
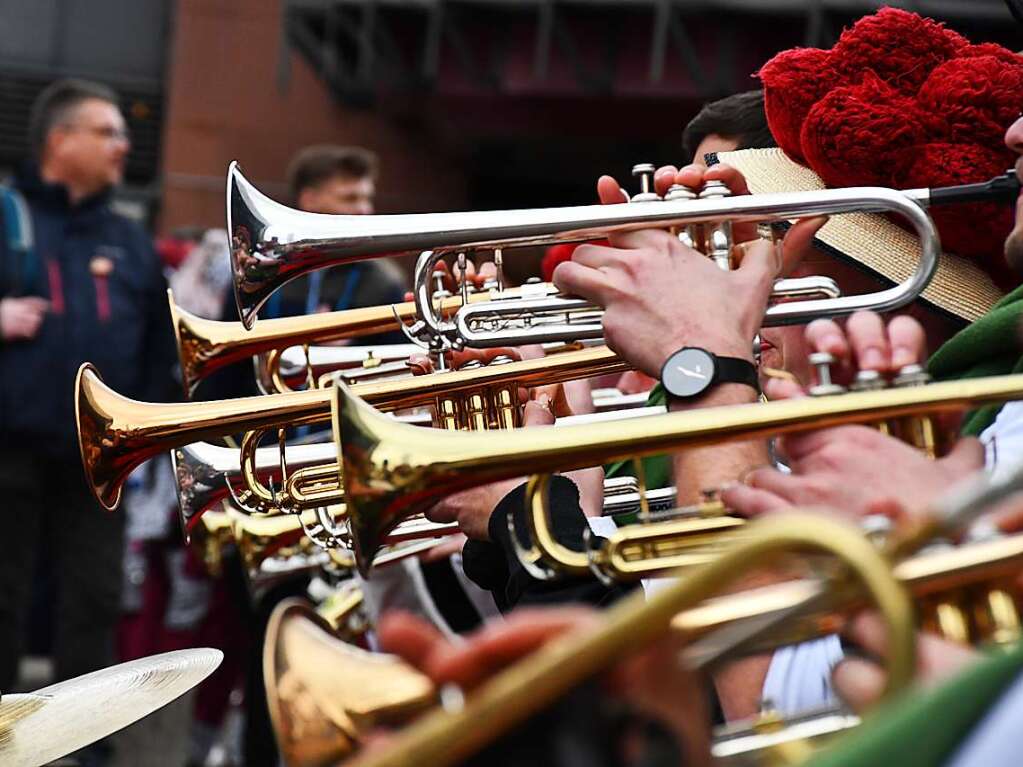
(272, 244)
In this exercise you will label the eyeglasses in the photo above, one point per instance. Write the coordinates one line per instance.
(106, 132)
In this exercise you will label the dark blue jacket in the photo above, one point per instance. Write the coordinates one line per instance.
(118, 321)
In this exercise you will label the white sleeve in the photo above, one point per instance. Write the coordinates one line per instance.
(799, 677)
(1003, 440)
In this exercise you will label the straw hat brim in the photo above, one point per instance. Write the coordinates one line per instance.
(959, 287)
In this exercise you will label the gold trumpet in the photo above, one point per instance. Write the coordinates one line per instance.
(324, 694)
(117, 434)
(311, 729)
(507, 699)
(205, 346)
(392, 472)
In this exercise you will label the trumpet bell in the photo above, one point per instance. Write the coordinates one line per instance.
(265, 251)
(109, 455)
(324, 695)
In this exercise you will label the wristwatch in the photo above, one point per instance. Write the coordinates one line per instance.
(691, 372)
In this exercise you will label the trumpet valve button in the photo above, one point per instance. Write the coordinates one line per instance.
(713, 189)
(645, 173)
(912, 375)
(868, 380)
(679, 192)
(822, 362)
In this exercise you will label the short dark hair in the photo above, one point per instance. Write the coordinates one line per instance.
(54, 105)
(740, 117)
(316, 164)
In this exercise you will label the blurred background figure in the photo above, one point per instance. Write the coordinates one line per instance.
(338, 180)
(79, 283)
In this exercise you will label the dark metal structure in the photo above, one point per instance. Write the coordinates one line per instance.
(626, 48)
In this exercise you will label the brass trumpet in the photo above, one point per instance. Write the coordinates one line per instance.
(970, 570)
(117, 434)
(443, 738)
(391, 472)
(205, 346)
(324, 693)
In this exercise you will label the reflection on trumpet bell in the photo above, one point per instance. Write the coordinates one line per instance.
(324, 694)
(117, 434)
(212, 538)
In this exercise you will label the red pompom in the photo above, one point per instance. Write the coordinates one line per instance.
(976, 230)
(860, 135)
(901, 47)
(977, 97)
(991, 49)
(794, 81)
(555, 255)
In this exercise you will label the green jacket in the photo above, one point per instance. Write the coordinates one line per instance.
(925, 729)
(990, 346)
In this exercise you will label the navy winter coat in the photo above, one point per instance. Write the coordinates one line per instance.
(108, 306)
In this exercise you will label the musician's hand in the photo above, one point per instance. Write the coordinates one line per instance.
(855, 470)
(650, 680)
(866, 342)
(20, 318)
(660, 295)
(860, 682)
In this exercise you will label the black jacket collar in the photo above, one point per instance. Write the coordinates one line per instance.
(55, 196)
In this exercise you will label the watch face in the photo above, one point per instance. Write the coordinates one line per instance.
(688, 372)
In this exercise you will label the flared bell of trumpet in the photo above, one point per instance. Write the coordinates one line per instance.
(324, 695)
(117, 434)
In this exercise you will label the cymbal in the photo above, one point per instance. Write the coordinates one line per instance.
(38, 727)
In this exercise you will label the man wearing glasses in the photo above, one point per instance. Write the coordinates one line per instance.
(77, 282)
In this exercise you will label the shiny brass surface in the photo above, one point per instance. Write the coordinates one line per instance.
(206, 346)
(972, 569)
(212, 537)
(393, 471)
(306, 366)
(117, 434)
(324, 694)
(442, 738)
(633, 551)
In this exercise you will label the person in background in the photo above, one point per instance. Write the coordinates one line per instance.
(338, 180)
(78, 283)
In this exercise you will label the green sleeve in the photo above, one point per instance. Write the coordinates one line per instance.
(923, 729)
(656, 468)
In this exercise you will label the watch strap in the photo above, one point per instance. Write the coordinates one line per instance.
(736, 370)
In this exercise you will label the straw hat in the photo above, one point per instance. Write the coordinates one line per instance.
(902, 102)
(872, 240)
